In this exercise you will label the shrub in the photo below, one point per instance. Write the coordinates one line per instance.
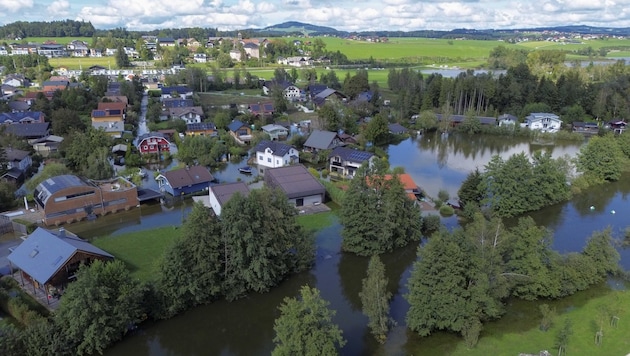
(430, 223)
(447, 210)
(30, 226)
(314, 172)
(325, 173)
(443, 195)
(335, 193)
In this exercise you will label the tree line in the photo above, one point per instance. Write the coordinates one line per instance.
(62, 28)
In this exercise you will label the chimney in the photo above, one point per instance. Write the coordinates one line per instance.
(62, 232)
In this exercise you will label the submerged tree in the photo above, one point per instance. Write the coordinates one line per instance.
(375, 299)
(305, 327)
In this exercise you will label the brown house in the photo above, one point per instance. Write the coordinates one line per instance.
(69, 198)
(48, 260)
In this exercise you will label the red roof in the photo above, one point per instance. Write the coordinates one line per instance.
(407, 183)
(112, 106)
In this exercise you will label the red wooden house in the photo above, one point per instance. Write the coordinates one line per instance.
(153, 142)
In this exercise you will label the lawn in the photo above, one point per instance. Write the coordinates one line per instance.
(139, 250)
(316, 222)
(83, 62)
(519, 331)
(59, 40)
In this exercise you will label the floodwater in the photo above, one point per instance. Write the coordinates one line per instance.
(245, 327)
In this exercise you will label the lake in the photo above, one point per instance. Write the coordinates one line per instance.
(245, 327)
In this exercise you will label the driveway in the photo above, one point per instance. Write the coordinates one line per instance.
(4, 253)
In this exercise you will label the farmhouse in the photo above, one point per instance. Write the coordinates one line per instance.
(297, 183)
(68, 198)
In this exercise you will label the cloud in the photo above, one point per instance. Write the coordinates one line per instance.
(14, 6)
(60, 8)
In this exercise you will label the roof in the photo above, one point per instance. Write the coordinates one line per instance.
(14, 173)
(177, 103)
(13, 154)
(201, 126)
(407, 182)
(178, 89)
(273, 127)
(585, 124)
(295, 181)
(188, 176)
(180, 111)
(223, 192)
(43, 253)
(119, 147)
(484, 120)
(261, 108)
(541, 115)
(325, 93)
(351, 155)
(315, 89)
(321, 140)
(19, 116)
(277, 148)
(508, 117)
(235, 125)
(151, 134)
(397, 128)
(109, 126)
(54, 184)
(36, 129)
(115, 106)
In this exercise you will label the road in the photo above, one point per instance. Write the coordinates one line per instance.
(142, 120)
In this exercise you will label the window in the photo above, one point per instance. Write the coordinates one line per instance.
(260, 158)
(269, 159)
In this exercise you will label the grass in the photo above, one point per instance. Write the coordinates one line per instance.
(83, 62)
(139, 250)
(518, 332)
(59, 40)
(316, 222)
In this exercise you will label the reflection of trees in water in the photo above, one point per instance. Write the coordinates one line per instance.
(599, 196)
(352, 269)
(242, 327)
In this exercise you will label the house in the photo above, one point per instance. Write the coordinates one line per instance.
(69, 198)
(411, 188)
(322, 140)
(276, 132)
(544, 122)
(507, 120)
(110, 117)
(176, 92)
(297, 183)
(191, 114)
(346, 161)
(201, 129)
(585, 127)
(617, 126)
(52, 50)
(241, 132)
(264, 109)
(321, 97)
(22, 49)
(17, 80)
(220, 194)
(153, 142)
(289, 90)
(29, 131)
(187, 180)
(252, 50)
(115, 129)
(3, 52)
(30, 117)
(397, 129)
(296, 61)
(200, 58)
(118, 107)
(236, 55)
(44, 146)
(18, 162)
(313, 89)
(274, 154)
(78, 48)
(49, 260)
(166, 42)
(51, 86)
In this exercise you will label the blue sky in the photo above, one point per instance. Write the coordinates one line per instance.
(359, 15)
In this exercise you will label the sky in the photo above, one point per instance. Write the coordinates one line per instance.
(347, 15)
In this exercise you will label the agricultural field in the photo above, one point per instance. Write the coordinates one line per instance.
(59, 40)
(83, 62)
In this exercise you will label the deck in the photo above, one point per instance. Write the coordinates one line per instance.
(145, 194)
(51, 303)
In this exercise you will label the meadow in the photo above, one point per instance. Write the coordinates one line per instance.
(75, 63)
(59, 40)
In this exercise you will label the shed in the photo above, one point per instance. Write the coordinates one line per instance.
(297, 183)
(185, 180)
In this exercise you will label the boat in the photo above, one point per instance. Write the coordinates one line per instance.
(245, 170)
(142, 173)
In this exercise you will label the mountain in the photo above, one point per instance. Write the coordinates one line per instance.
(299, 27)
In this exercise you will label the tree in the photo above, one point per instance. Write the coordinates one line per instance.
(263, 242)
(377, 130)
(78, 147)
(49, 170)
(375, 299)
(122, 60)
(190, 273)
(65, 120)
(601, 158)
(97, 165)
(305, 327)
(601, 251)
(377, 216)
(469, 192)
(100, 306)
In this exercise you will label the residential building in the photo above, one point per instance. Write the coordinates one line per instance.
(261, 110)
(29, 132)
(252, 50)
(507, 120)
(29, 117)
(276, 132)
(52, 50)
(191, 114)
(201, 129)
(544, 122)
(48, 260)
(241, 132)
(346, 161)
(200, 57)
(177, 103)
(411, 188)
(153, 142)
(176, 92)
(69, 198)
(272, 154)
(320, 140)
(44, 146)
(289, 90)
(297, 183)
(397, 129)
(220, 194)
(187, 180)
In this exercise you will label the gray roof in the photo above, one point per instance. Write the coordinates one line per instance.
(15, 154)
(57, 183)
(44, 253)
(295, 181)
(397, 128)
(36, 129)
(321, 140)
(109, 126)
(224, 192)
(277, 148)
(180, 111)
(325, 93)
(351, 155)
(192, 175)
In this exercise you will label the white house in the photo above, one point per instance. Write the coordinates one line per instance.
(276, 132)
(274, 154)
(346, 161)
(220, 194)
(200, 57)
(190, 114)
(507, 120)
(544, 122)
(290, 91)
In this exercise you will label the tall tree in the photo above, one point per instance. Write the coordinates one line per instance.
(65, 120)
(100, 306)
(375, 299)
(601, 158)
(305, 327)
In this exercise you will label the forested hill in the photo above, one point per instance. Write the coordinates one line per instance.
(65, 28)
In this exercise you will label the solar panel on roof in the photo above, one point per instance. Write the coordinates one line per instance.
(114, 112)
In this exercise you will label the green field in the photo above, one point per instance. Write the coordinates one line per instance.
(83, 62)
(59, 40)
(139, 250)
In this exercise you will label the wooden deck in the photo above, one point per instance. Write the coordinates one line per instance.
(51, 303)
